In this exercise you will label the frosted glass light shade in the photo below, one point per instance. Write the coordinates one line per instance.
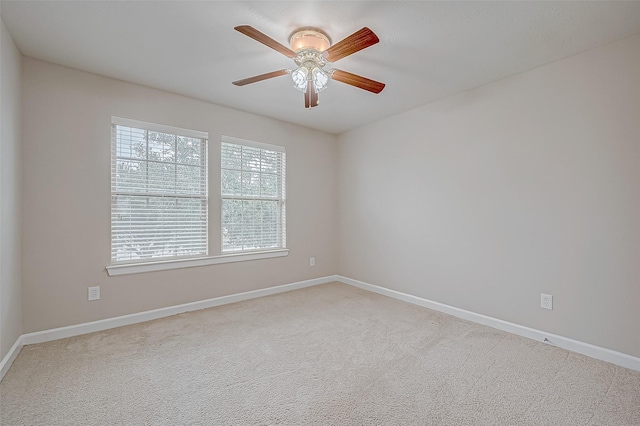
(299, 77)
(320, 79)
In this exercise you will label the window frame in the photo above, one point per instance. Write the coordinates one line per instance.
(137, 267)
(204, 164)
(281, 198)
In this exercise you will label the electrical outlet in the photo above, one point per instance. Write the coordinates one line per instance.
(94, 293)
(546, 301)
(312, 261)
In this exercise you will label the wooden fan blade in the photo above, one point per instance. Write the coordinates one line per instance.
(307, 96)
(260, 77)
(313, 102)
(310, 96)
(357, 81)
(352, 44)
(266, 40)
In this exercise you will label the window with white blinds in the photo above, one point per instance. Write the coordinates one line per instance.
(253, 195)
(158, 192)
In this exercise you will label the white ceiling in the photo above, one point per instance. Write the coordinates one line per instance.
(427, 50)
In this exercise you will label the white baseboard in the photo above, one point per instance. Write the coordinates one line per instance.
(105, 324)
(8, 359)
(587, 349)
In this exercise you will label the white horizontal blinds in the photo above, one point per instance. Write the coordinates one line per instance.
(253, 196)
(158, 194)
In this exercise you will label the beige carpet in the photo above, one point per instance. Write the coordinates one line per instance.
(326, 355)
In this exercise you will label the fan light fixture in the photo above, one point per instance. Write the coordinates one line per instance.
(309, 43)
(311, 50)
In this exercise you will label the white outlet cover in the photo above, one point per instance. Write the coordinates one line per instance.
(94, 293)
(546, 301)
(312, 261)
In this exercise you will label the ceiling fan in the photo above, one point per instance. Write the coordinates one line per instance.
(311, 50)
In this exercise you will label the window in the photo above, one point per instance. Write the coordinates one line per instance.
(253, 195)
(158, 192)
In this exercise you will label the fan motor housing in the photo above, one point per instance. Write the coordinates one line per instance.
(309, 38)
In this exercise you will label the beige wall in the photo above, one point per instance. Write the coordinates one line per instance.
(66, 136)
(486, 199)
(10, 292)
(481, 201)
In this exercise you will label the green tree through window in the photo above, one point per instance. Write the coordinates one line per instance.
(253, 195)
(159, 195)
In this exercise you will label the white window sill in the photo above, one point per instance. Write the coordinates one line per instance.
(163, 265)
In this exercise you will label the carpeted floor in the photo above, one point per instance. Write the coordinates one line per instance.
(325, 355)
